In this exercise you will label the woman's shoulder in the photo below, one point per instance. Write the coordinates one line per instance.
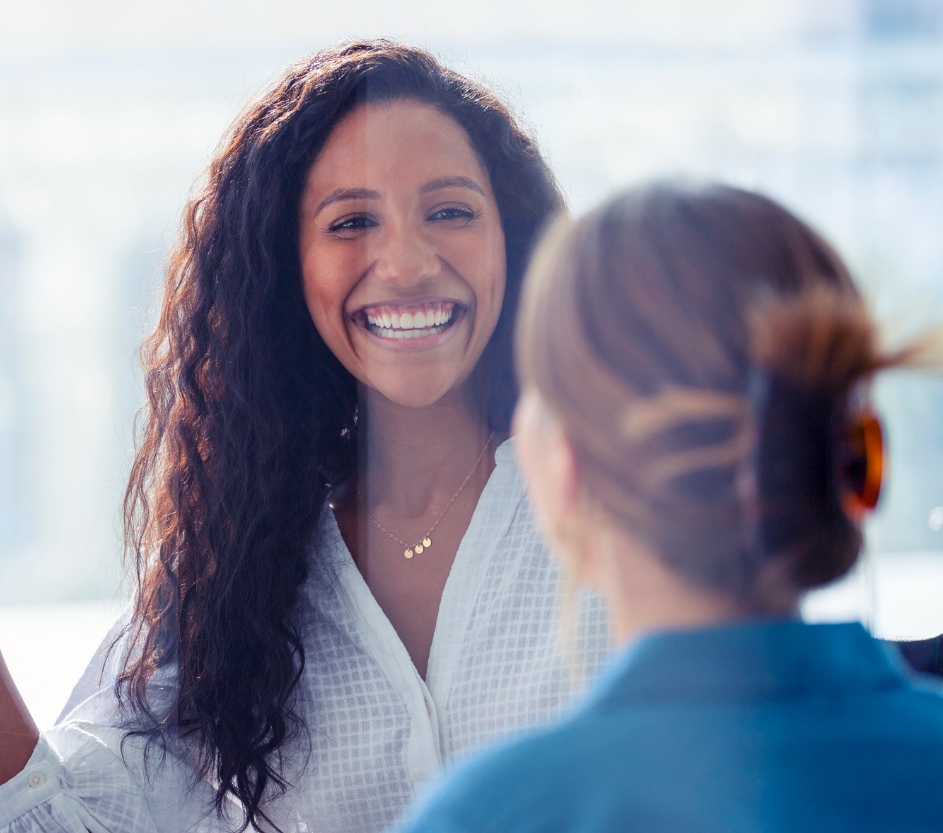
(506, 475)
(523, 785)
(93, 695)
(504, 504)
(94, 700)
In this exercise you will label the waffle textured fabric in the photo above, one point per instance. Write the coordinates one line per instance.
(376, 730)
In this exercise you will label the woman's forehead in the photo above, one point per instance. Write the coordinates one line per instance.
(393, 145)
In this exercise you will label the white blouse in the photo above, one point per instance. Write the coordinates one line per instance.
(377, 730)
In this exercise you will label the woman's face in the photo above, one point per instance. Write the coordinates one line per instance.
(402, 250)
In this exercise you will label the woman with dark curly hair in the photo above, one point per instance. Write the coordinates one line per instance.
(340, 584)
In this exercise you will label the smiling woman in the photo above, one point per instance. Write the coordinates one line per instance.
(329, 389)
(399, 227)
(418, 239)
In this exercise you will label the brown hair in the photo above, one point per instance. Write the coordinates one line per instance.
(250, 417)
(703, 348)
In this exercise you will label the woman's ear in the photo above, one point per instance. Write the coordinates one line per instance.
(551, 471)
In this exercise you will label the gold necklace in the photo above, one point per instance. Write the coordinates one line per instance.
(426, 541)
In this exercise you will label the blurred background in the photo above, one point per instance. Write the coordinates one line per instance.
(110, 110)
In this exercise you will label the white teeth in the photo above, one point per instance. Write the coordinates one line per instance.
(418, 324)
(384, 332)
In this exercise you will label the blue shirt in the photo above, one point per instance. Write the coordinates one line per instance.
(761, 726)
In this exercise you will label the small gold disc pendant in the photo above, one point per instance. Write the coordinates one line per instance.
(419, 549)
(408, 553)
(427, 542)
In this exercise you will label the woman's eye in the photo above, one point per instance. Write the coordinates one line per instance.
(453, 212)
(355, 223)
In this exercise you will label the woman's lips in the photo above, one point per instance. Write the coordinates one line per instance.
(413, 326)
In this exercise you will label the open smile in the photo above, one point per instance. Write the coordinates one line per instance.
(410, 326)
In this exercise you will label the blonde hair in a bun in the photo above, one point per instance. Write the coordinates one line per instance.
(705, 350)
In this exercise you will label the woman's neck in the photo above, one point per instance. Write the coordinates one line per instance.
(644, 595)
(410, 457)
(420, 475)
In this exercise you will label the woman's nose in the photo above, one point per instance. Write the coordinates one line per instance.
(405, 258)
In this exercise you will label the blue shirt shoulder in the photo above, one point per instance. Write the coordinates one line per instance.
(763, 725)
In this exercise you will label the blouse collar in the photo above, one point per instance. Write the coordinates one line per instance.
(749, 661)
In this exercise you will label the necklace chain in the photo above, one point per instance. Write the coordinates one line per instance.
(426, 540)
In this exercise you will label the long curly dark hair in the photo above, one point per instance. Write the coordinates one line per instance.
(249, 416)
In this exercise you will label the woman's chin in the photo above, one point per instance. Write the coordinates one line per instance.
(421, 392)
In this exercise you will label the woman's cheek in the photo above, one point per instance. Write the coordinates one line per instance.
(328, 281)
(480, 261)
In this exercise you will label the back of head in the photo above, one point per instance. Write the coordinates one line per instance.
(703, 348)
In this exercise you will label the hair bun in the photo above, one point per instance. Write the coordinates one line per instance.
(821, 340)
(815, 349)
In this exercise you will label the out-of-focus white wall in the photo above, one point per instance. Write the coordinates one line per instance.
(37, 27)
(108, 111)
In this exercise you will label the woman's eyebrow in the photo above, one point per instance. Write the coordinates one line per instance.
(339, 194)
(451, 182)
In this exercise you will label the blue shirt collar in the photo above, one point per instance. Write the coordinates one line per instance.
(760, 659)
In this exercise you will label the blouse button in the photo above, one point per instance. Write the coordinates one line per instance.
(37, 779)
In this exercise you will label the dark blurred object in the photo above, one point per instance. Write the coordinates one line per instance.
(924, 655)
